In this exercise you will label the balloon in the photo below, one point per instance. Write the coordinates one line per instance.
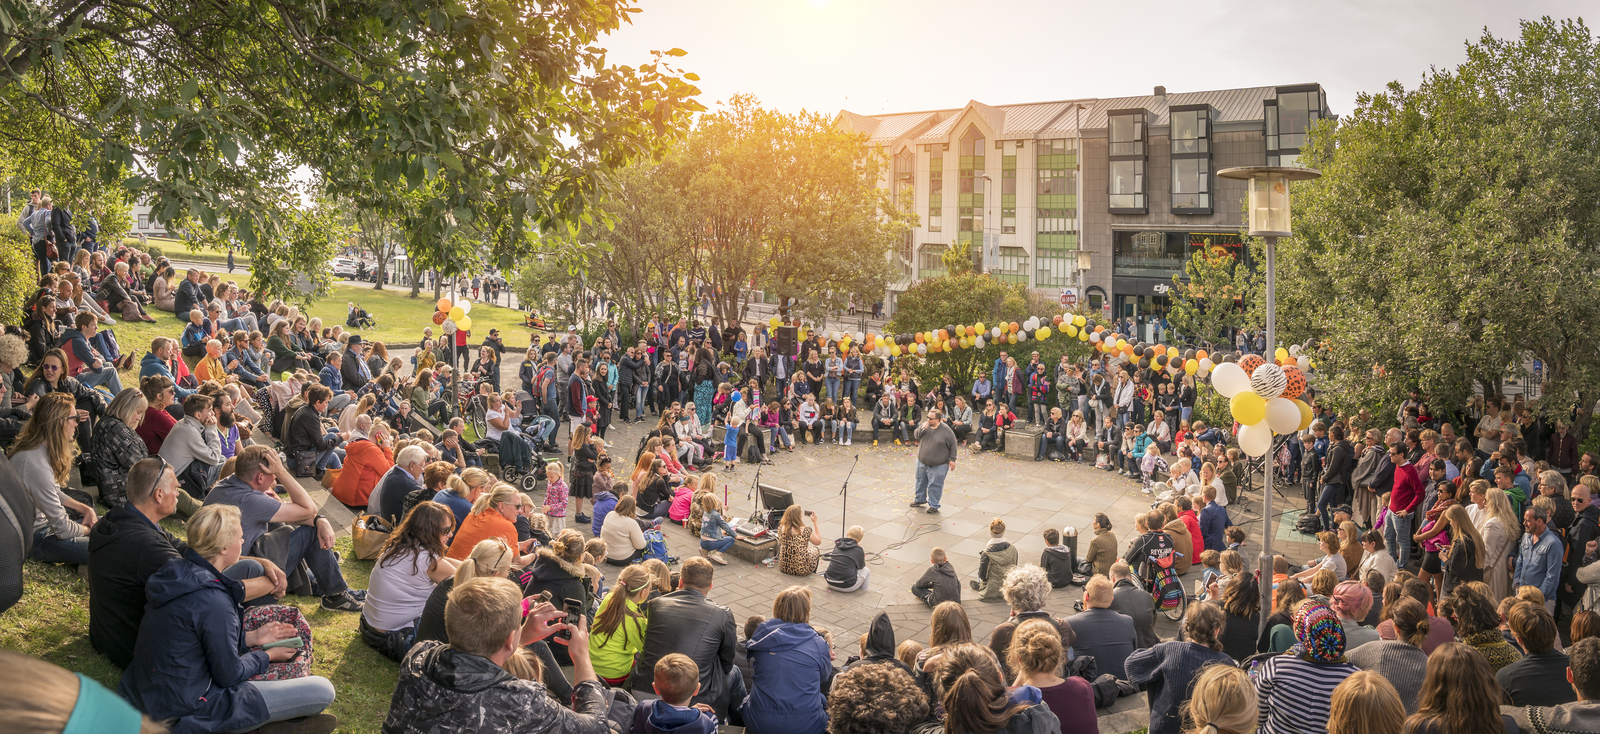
(1294, 350)
(1094, 336)
(978, 327)
(995, 332)
(1306, 418)
(456, 314)
(466, 306)
(894, 350)
(465, 324)
(1255, 440)
(774, 322)
(1078, 321)
(1191, 366)
(1083, 336)
(1172, 352)
(1248, 408)
(1204, 364)
(1250, 362)
(1229, 379)
(1304, 363)
(1282, 415)
(1144, 363)
(1202, 354)
(442, 305)
(979, 343)
(1294, 382)
(922, 348)
(860, 336)
(1281, 354)
(1011, 338)
(1161, 359)
(438, 317)
(1268, 381)
(1042, 334)
(1022, 336)
(1056, 320)
(919, 337)
(1014, 326)
(449, 326)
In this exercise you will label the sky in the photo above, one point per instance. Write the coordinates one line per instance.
(875, 56)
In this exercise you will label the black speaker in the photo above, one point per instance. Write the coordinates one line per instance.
(785, 339)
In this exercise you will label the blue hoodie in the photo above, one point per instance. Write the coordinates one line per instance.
(791, 664)
(659, 716)
(604, 503)
(190, 662)
(152, 365)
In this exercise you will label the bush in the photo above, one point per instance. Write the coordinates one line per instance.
(18, 274)
(155, 252)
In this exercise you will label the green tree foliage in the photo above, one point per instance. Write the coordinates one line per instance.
(1215, 293)
(754, 199)
(970, 298)
(957, 257)
(509, 106)
(1456, 228)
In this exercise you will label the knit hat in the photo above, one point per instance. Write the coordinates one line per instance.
(1320, 634)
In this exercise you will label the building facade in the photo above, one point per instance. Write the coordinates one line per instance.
(1130, 181)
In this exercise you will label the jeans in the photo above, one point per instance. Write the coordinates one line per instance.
(1011, 401)
(905, 430)
(1045, 442)
(845, 430)
(294, 698)
(833, 389)
(639, 392)
(47, 548)
(930, 483)
(324, 564)
(332, 458)
(852, 388)
(1397, 538)
(1331, 493)
(717, 545)
(878, 425)
(106, 375)
(243, 323)
(1038, 412)
(339, 402)
(105, 343)
(660, 510)
(1187, 411)
(779, 432)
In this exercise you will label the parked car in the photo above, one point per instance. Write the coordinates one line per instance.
(344, 267)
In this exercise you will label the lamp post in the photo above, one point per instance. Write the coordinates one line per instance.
(1269, 218)
(1084, 259)
(983, 249)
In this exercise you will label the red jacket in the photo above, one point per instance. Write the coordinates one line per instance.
(1193, 524)
(365, 463)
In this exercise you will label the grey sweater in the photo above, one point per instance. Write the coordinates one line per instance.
(936, 446)
(1401, 664)
(33, 466)
(191, 441)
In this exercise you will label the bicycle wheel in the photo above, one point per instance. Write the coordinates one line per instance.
(477, 417)
(1172, 601)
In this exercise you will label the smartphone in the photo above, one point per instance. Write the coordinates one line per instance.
(574, 609)
(543, 598)
(294, 642)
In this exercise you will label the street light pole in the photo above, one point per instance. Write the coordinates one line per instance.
(1269, 207)
(983, 249)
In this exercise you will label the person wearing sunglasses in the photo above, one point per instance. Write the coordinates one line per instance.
(42, 456)
(51, 377)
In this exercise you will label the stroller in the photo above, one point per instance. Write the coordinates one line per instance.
(538, 428)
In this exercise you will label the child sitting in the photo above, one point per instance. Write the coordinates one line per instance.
(721, 403)
(681, 497)
(1150, 464)
(1210, 561)
(1235, 536)
(677, 681)
(847, 564)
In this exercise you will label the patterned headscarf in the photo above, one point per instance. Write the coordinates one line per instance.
(1320, 634)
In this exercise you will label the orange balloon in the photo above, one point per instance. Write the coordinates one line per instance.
(1201, 355)
(1098, 328)
(443, 304)
(943, 336)
(1013, 326)
(919, 337)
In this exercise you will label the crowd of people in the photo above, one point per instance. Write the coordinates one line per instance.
(484, 595)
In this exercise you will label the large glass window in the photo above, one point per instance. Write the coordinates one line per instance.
(971, 219)
(1058, 181)
(1191, 131)
(1055, 268)
(936, 175)
(930, 261)
(1288, 118)
(1148, 254)
(1127, 134)
(1057, 221)
(1013, 267)
(1127, 185)
(1191, 183)
(1008, 220)
(1008, 181)
(972, 142)
(935, 218)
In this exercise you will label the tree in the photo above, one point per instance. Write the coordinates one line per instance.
(1215, 293)
(509, 106)
(1456, 228)
(969, 298)
(957, 258)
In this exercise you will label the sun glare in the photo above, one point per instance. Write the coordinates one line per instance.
(818, 3)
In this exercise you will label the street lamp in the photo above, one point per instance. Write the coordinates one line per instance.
(1084, 259)
(987, 213)
(1269, 218)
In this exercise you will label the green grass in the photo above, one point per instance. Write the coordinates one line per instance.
(51, 622)
(179, 250)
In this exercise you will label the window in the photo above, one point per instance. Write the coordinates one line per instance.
(1191, 184)
(1013, 266)
(1058, 182)
(1127, 152)
(936, 191)
(972, 142)
(1148, 254)
(935, 219)
(1190, 131)
(1055, 268)
(1287, 119)
(970, 183)
(1008, 220)
(930, 262)
(144, 221)
(935, 175)
(1127, 185)
(1057, 221)
(1008, 180)
(1058, 146)
(1127, 133)
(971, 219)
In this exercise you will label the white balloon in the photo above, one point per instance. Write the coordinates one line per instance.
(1229, 379)
(1206, 365)
(1269, 382)
(1294, 349)
(1022, 336)
(466, 306)
(449, 326)
(922, 349)
(1094, 337)
(1202, 373)
(995, 332)
(980, 343)
(861, 336)
(1304, 363)
(1283, 416)
(1256, 440)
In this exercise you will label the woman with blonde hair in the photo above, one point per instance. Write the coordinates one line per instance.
(1224, 702)
(494, 515)
(1365, 703)
(116, 446)
(42, 456)
(1034, 656)
(799, 548)
(619, 626)
(661, 577)
(462, 491)
(1500, 529)
(947, 625)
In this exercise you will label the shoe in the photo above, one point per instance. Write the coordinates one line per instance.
(974, 585)
(874, 442)
(1038, 458)
(897, 442)
(358, 594)
(849, 442)
(716, 556)
(583, 519)
(919, 504)
(343, 602)
(314, 724)
(933, 510)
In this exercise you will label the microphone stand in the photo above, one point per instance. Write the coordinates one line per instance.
(844, 491)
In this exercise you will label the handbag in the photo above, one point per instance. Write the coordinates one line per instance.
(1102, 461)
(368, 535)
(305, 463)
(300, 666)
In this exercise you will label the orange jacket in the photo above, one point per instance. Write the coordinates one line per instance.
(365, 463)
(478, 528)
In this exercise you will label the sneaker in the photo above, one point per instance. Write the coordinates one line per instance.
(974, 585)
(874, 442)
(716, 556)
(933, 510)
(314, 724)
(849, 442)
(919, 504)
(342, 602)
(897, 442)
(583, 519)
(359, 594)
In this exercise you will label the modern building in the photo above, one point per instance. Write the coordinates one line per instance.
(1130, 181)
(144, 224)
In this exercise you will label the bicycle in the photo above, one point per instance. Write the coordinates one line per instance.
(1164, 586)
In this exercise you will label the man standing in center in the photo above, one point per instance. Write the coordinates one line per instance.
(936, 456)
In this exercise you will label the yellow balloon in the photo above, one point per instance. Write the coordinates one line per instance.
(1281, 354)
(1305, 413)
(945, 345)
(1011, 338)
(1248, 408)
(978, 327)
(774, 322)
(456, 314)
(464, 323)
(1083, 336)
(1172, 352)
(894, 349)
(1042, 333)
(1192, 366)
(1079, 321)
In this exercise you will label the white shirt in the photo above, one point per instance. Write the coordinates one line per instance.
(1379, 561)
(397, 591)
(1491, 423)
(489, 418)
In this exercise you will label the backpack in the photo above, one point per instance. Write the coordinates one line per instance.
(662, 370)
(655, 546)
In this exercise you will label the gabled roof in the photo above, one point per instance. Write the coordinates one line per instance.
(885, 130)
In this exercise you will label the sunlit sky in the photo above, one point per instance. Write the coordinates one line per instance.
(873, 56)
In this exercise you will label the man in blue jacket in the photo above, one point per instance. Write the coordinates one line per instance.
(1214, 522)
(1538, 557)
(155, 363)
(792, 666)
(97, 370)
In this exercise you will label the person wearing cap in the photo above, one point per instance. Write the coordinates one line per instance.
(1295, 688)
(494, 341)
(354, 370)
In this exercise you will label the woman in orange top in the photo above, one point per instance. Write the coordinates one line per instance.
(493, 516)
(366, 460)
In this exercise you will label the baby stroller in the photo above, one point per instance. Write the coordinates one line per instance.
(520, 465)
(538, 428)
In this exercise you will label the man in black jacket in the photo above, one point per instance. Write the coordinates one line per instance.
(1059, 561)
(629, 370)
(306, 432)
(1108, 635)
(684, 621)
(1129, 599)
(354, 370)
(128, 545)
(188, 296)
(939, 583)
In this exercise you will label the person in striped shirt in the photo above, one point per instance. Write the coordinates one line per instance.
(1294, 689)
